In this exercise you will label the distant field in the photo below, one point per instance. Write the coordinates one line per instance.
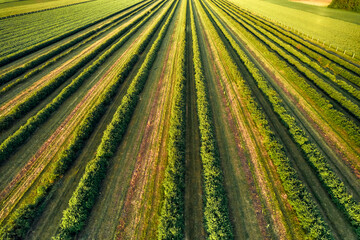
(177, 119)
(337, 27)
(10, 8)
(315, 2)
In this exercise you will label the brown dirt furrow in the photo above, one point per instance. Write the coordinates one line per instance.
(236, 120)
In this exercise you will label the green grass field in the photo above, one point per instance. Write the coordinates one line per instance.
(179, 119)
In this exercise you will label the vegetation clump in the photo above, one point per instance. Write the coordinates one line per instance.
(351, 5)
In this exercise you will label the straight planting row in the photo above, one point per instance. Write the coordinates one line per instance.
(216, 212)
(49, 41)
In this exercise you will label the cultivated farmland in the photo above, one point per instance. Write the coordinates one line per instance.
(174, 119)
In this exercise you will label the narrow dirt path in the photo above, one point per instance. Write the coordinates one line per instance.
(194, 224)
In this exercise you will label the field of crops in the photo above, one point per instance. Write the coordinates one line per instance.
(174, 119)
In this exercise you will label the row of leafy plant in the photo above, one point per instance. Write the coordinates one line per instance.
(85, 195)
(15, 72)
(171, 221)
(31, 49)
(320, 50)
(314, 156)
(34, 98)
(328, 109)
(9, 145)
(18, 224)
(216, 212)
(306, 210)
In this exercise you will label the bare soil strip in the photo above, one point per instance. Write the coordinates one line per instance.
(137, 220)
(194, 225)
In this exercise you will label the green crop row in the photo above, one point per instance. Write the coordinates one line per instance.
(306, 210)
(328, 109)
(20, 222)
(33, 99)
(317, 49)
(20, 136)
(15, 72)
(316, 159)
(171, 222)
(85, 195)
(216, 213)
(31, 49)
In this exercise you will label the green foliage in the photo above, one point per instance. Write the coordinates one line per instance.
(320, 50)
(33, 99)
(318, 81)
(326, 59)
(352, 5)
(216, 212)
(21, 135)
(40, 32)
(171, 222)
(290, 46)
